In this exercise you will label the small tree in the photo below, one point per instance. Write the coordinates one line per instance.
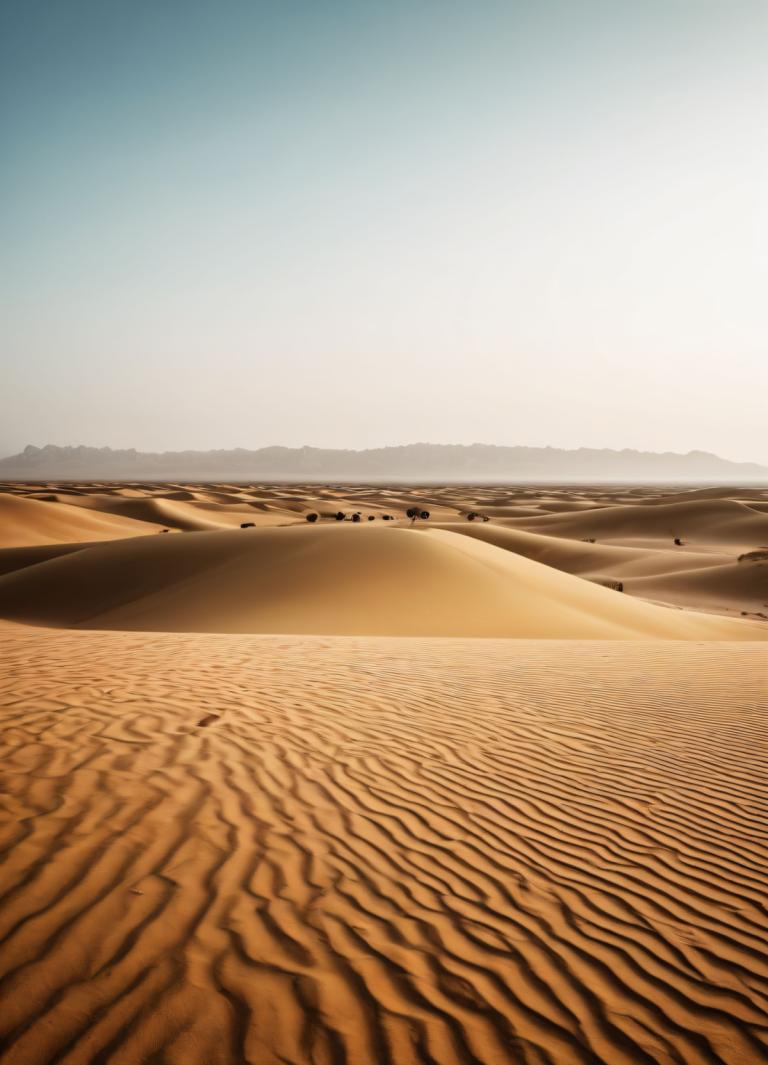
(312, 517)
(340, 515)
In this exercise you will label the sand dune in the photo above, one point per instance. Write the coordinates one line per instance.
(713, 492)
(633, 527)
(16, 558)
(161, 513)
(579, 557)
(237, 850)
(728, 521)
(25, 522)
(743, 585)
(703, 581)
(335, 579)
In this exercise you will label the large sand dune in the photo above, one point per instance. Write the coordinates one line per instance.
(25, 522)
(634, 529)
(335, 579)
(239, 850)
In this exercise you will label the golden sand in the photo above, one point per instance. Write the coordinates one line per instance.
(402, 840)
(226, 849)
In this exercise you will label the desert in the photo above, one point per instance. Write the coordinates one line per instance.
(383, 533)
(405, 791)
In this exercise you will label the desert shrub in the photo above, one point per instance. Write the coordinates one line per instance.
(761, 555)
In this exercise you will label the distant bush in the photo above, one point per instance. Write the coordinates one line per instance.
(609, 582)
(340, 516)
(755, 556)
(248, 525)
(312, 517)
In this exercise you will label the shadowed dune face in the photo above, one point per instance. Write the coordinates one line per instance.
(337, 579)
(229, 849)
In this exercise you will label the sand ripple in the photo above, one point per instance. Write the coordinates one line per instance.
(271, 850)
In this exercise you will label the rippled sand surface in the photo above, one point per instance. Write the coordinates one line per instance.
(219, 849)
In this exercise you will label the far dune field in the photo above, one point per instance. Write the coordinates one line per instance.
(484, 787)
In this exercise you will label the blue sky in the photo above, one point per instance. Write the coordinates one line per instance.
(353, 224)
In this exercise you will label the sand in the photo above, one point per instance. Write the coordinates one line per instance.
(374, 794)
(634, 528)
(25, 522)
(386, 584)
(336, 580)
(226, 849)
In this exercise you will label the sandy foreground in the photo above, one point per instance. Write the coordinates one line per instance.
(224, 849)
(345, 794)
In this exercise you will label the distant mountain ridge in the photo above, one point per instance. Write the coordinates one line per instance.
(410, 462)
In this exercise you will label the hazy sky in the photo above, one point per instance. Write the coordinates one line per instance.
(359, 223)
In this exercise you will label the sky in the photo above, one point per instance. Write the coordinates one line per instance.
(353, 224)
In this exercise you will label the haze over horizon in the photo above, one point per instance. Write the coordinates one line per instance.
(350, 225)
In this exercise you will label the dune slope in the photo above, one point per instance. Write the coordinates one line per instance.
(743, 584)
(25, 522)
(335, 579)
(724, 521)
